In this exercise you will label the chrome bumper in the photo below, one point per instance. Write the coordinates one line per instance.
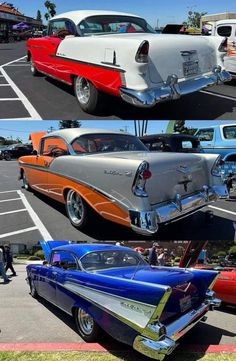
(172, 89)
(158, 349)
(146, 222)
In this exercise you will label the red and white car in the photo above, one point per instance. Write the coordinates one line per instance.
(119, 54)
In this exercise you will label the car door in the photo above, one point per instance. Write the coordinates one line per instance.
(206, 137)
(57, 31)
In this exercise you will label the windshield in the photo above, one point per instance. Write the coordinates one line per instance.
(112, 24)
(100, 143)
(111, 259)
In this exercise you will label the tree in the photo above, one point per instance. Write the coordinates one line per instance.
(51, 9)
(232, 249)
(63, 124)
(179, 126)
(39, 16)
(194, 18)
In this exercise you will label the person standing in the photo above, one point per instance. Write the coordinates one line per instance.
(2, 268)
(153, 255)
(9, 260)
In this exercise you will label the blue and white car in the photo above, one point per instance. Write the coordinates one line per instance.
(111, 288)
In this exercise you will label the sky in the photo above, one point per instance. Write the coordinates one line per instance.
(22, 129)
(154, 11)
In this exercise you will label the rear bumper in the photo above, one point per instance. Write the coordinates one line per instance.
(158, 349)
(146, 222)
(172, 89)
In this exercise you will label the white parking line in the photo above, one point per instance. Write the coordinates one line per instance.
(10, 200)
(21, 97)
(218, 95)
(40, 226)
(222, 210)
(17, 211)
(13, 191)
(18, 232)
(4, 84)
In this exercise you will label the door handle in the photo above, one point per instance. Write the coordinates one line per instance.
(54, 273)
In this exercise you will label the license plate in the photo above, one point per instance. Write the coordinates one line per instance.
(185, 303)
(190, 68)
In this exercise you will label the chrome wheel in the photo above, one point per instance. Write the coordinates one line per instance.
(25, 182)
(75, 207)
(32, 68)
(82, 89)
(85, 322)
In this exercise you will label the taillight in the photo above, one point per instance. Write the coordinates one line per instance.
(216, 170)
(142, 53)
(143, 173)
(223, 46)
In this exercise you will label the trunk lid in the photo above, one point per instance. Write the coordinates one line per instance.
(188, 286)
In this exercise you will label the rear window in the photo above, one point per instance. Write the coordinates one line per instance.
(224, 31)
(229, 132)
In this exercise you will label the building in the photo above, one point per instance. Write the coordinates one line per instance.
(10, 16)
(212, 18)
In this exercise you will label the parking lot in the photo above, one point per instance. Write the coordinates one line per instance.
(31, 320)
(27, 216)
(23, 96)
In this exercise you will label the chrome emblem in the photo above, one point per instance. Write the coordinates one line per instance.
(116, 172)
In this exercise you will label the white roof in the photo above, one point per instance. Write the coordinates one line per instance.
(78, 15)
(226, 21)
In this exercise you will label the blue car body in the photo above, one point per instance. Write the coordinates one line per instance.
(143, 306)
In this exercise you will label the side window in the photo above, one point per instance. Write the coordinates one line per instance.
(229, 132)
(205, 134)
(54, 147)
(224, 31)
(65, 260)
(61, 28)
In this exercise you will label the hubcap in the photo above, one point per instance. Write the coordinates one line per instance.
(32, 67)
(75, 207)
(25, 183)
(85, 321)
(82, 88)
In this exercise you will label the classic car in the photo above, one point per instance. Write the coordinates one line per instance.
(111, 288)
(16, 150)
(113, 173)
(180, 143)
(225, 285)
(119, 54)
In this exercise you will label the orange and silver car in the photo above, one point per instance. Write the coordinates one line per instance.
(114, 174)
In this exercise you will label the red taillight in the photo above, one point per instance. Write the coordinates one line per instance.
(142, 53)
(147, 174)
(223, 46)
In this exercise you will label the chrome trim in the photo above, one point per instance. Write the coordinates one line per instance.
(173, 89)
(158, 349)
(146, 222)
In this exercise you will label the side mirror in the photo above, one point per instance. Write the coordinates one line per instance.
(35, 152)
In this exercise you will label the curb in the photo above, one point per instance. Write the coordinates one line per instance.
(41, 347)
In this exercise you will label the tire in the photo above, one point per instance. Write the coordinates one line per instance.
(87, 328)
(25, 182)
(7, 157)
(33, 69)
(76, 209)
(33, 291)
(90, 99)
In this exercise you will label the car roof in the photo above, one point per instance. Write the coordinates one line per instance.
(84, 248)
(70, 134)
(79, 15)
(226, 21)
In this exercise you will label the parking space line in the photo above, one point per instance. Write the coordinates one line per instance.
(9, 99)
(35, 218)
(4, 84)
(18, 65)
(10, 200)
(218, 95)
(18, 232)
(21, 97)
(222, 210)
(17, 211)
(13, 191)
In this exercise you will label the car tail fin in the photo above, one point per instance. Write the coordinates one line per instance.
(47, 246)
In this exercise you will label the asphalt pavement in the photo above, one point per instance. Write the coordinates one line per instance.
(25, 319)
(23, 96)
(29, 216)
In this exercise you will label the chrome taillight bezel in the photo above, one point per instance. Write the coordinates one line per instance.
(139, 184)
(142, 58)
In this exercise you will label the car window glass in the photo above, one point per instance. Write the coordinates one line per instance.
(187, 144)
(92, 143)
(113, 24)
(54, 147)
(61, 28)
(205, 134)
(230, 132)
(110, 259)
(65, 260)
(224, 31)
